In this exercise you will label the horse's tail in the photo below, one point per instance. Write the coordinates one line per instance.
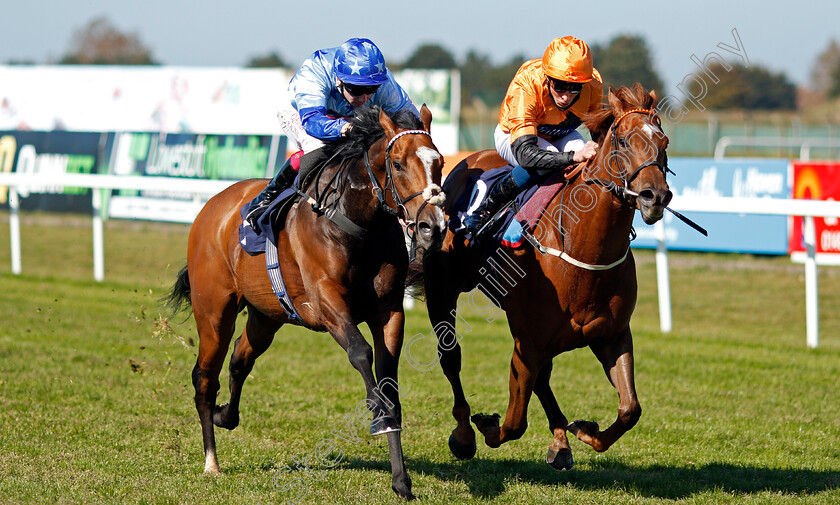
(179, 298)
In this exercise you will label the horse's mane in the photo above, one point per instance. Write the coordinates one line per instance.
(599, 121)
(366, 131)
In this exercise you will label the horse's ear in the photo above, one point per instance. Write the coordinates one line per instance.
(615, 102)
(653, 95)
(387, 124)
(426, 118)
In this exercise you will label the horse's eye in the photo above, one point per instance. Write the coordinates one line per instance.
(397, 165)
(622, 142)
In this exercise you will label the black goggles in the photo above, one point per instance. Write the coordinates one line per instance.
(357, 90)
(559, 86)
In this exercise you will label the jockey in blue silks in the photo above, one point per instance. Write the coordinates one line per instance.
(329, 85)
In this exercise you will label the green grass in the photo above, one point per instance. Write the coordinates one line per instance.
(96, 402)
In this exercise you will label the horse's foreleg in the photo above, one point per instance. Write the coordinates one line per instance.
(360, 355)
(617, 360)
(387, 340)
(257, 336)
(441, 307)
(521, 385)
(340, 324)
(215, 332)
(559, 452)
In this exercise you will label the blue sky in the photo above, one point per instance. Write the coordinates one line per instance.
(225, 33)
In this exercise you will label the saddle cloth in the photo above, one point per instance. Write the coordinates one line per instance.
(510, 227)
(270, 222)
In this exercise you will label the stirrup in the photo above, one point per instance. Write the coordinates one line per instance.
(486, 222)
(478, 222)
(254, 214)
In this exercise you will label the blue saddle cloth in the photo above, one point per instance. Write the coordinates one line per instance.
(270, 222)
(506, 230)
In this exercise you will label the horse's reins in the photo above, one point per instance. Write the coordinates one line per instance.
(621, 192)
(431, 194)
(331, 211)
(624, 191)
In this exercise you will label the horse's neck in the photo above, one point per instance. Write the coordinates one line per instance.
(349, 192)
(595, 225)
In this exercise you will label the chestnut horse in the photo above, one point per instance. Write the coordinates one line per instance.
(386, 172)
(575, 287)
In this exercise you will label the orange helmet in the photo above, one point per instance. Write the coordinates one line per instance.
(568, 59)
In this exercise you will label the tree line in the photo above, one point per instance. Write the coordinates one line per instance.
(624, 60)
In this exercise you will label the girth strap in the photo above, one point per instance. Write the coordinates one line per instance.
(336, 217)
(272, 265)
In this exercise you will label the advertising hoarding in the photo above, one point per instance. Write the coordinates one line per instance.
(817, 181)
(740, 178)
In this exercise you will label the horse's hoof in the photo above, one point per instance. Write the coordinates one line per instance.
(403, 488)
(590, 428)
(485, 421)
(223, 418)
(212, 468)
(406, 495)
(459, 450)
(560, 460)
(383, 425)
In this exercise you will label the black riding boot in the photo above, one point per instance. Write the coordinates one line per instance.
(501, 193)
(284, 179)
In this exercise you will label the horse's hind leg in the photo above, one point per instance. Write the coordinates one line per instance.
(255, 339)
(215, 322)
(617, 359)
(559, 452)
(523, 376)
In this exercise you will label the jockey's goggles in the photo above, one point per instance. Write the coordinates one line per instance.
(357, 90)
(573, 88)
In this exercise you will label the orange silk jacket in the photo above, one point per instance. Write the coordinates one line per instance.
(528, 102)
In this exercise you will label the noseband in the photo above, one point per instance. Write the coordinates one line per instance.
(431, 194)
(623, 192)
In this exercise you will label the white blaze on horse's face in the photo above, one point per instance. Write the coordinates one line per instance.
(652, 129)
(428, 156)
(432, 193)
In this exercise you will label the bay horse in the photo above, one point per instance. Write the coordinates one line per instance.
(387, 171)
(575, 287)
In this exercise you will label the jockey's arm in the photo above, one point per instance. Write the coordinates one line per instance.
(531, 157)
(320, 125)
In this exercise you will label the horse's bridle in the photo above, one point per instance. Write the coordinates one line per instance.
(624, 192)
(379, 190)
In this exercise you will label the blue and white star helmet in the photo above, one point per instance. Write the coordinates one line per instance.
(359, 61)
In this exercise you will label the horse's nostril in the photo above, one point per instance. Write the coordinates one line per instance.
(424, 228)
(667, 199)
(647, 195)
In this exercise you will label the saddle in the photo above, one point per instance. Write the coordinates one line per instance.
(274, 218)
(270, 222)
(509, 226)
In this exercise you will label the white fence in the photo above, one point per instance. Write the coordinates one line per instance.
(196, 187)
(762, 206)
(806, 208)
(804, 144)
